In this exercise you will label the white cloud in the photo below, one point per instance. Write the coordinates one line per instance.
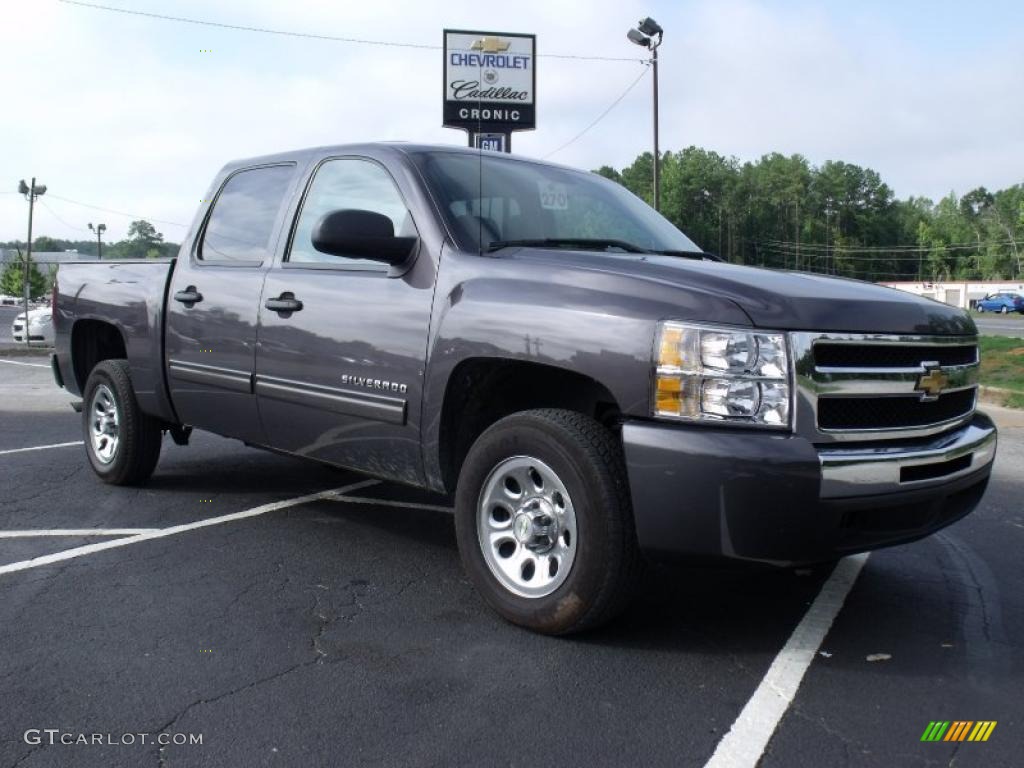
(125, 113)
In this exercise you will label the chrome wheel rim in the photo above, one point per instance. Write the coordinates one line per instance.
(104, 424)
(526, 526)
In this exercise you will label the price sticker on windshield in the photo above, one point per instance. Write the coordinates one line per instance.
(553, 196)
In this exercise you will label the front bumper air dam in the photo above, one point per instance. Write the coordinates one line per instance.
(778, 498)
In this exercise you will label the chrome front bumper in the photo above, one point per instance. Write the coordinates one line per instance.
(852, 471)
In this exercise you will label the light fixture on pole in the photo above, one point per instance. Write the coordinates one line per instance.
(31, 193)
(644, 35)
(99, 229)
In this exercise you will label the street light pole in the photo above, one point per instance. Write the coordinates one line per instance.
(657, 154)
(30, 193)
(99, 229)
(644, 35)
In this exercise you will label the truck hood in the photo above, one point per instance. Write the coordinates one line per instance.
(775, 299)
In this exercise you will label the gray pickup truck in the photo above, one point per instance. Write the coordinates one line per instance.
(591, 387)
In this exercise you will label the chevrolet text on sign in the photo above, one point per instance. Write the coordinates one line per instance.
(489, 81)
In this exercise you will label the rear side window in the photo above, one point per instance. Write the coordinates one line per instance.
(244, 214)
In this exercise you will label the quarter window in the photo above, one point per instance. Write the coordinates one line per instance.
(244, 214)
(347, 184)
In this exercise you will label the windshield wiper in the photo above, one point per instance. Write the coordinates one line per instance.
(582, 243)
(689, 254)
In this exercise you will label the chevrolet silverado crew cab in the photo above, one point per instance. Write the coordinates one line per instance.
(539, 343)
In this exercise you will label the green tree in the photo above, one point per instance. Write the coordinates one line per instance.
(12, 281)
(142, 241)
(44, 243)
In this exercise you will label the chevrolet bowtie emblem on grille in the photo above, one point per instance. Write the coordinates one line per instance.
(931, 384)
(490, 45)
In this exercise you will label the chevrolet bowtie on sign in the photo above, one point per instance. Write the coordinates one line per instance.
(489, 81)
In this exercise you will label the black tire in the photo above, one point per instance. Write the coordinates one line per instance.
(588, 461)
(139, 435)
(1004, 309)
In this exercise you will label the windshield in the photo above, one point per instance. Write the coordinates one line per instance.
(490, 198)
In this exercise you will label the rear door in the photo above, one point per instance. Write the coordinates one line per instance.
(213, 303)
(340, 379)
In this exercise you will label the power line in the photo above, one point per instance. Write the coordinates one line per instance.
(119, 213)
(886, 248)
(851, 254)
(58, 218)
(600, 117)
(314, 36)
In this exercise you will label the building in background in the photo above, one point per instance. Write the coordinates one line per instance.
(959, 293)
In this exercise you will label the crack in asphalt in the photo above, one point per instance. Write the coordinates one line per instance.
(850, 744)
(161, 761)
(355, 588)
(986, 645)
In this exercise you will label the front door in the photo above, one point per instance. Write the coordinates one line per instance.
(339, 368)
(213, 304)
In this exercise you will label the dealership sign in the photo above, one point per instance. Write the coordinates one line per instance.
(489, 81)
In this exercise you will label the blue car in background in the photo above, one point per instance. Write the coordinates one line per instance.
(1002, 302)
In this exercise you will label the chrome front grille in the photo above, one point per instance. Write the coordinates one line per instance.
(868, 386)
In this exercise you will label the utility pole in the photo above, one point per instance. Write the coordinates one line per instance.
(30, 193)
(644, 36)
(657, 152)
(798, 233)
(99, 229)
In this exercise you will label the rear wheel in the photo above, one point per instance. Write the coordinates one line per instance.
(1004, 309)
(544, 521)
(122, 442)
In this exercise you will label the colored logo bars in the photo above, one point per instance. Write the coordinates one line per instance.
(958, 730)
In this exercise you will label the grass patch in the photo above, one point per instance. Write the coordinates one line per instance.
(1002, 362)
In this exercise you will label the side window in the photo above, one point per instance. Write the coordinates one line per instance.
(243, 217)
(346, 184)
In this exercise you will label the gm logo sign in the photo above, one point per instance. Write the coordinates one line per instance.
(492, 142)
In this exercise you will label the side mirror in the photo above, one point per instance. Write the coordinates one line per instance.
(360, 234)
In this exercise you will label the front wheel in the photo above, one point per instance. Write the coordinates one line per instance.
(544, 521)
(122, 442)
(1004, 309)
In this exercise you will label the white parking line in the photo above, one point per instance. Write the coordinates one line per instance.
(388, 503)
(78, 532)
(88, 549)
(744, 744)
(40, 447)
(30, 365)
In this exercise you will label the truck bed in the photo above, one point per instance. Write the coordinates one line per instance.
(128, 295)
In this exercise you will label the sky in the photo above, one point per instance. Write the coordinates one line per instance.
(136, 115)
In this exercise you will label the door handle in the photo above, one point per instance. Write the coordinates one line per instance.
(189, 296)
(284, 305)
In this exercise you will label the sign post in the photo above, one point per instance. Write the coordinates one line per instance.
(490, 83)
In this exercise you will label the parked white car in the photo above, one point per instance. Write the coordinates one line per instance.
(40, 327)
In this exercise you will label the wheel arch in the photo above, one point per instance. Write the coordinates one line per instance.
(482, 390)
(93, 341)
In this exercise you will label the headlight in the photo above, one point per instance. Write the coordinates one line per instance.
(718, 374)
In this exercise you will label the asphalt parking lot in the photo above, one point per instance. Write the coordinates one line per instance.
(296, 615)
